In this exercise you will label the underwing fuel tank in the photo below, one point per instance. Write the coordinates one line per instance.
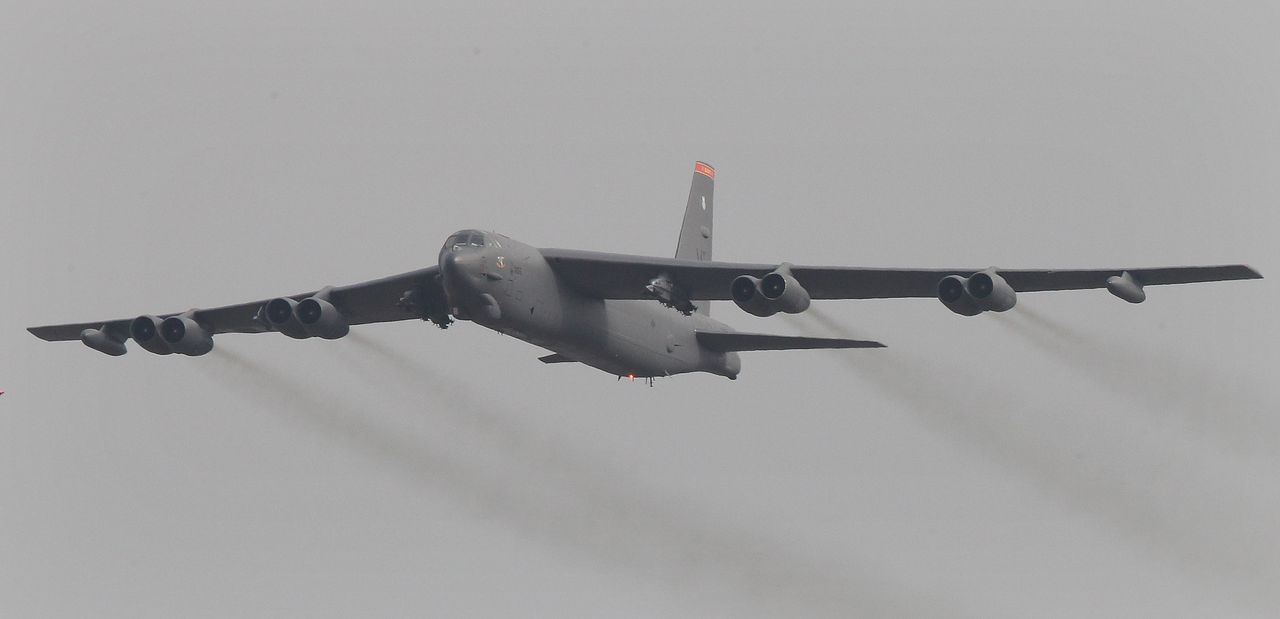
(1126, 287)
(103, 343)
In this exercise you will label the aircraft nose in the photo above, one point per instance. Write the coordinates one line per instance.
(461, 267)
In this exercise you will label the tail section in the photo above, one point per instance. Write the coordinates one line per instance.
(695, 232)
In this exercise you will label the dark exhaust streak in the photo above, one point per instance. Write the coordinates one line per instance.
(565, 498)
(1063, 332)
(1142, 500)
(832, 326)
(324, 413)
(1200, 400)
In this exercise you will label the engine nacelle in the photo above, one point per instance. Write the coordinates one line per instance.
(184, 335)
(984, 291)
(953, 292)
(746, 294)
(145, 330)
(282, 315)
(320, 318)
(783, 291)
(990, 292)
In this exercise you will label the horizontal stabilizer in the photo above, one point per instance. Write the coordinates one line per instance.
(725, 342)
(556, 358)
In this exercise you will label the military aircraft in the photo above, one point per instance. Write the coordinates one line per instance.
(630, 316)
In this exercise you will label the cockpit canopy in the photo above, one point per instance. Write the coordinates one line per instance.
(464, 239)
(472, 239)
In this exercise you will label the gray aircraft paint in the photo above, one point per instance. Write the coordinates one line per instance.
(640, 339)
(509, 287)
(696, 229)
(163, 156)
(599, 308)
(626, 338)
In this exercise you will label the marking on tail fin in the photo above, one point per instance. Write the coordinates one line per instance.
(704, 169)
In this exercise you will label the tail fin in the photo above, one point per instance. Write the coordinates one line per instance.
(695, 232)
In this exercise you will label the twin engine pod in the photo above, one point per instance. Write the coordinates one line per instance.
(183, 334)
(776, 292)
(984, 291)
(176, 334)
(310, 317)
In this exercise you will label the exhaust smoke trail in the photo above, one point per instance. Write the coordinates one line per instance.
(1060, 330)
(1204, 402)
(830, 324)
(572, 502)
(419, 379)
(1159, 509)
(328, 415)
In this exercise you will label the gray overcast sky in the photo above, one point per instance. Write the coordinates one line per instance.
(1076, 457)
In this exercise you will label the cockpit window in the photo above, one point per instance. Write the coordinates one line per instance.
(465, 238)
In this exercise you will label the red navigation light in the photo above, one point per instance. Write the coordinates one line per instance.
(631, 376)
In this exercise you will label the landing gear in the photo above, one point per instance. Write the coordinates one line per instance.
(664, 289)
(632, 377)
(428, 303)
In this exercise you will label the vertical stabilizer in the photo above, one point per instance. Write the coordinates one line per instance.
(695, 232)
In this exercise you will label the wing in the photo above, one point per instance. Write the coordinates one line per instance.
(616, 276)
(416, 294)
(556, 358)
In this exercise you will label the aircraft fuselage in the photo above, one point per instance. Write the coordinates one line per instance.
(508, 286)
(628, 315)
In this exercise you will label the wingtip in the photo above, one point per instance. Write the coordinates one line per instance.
(863, 344)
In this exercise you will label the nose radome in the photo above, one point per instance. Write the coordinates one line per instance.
(462, 266)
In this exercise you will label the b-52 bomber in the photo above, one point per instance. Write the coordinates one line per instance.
(630, 316)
